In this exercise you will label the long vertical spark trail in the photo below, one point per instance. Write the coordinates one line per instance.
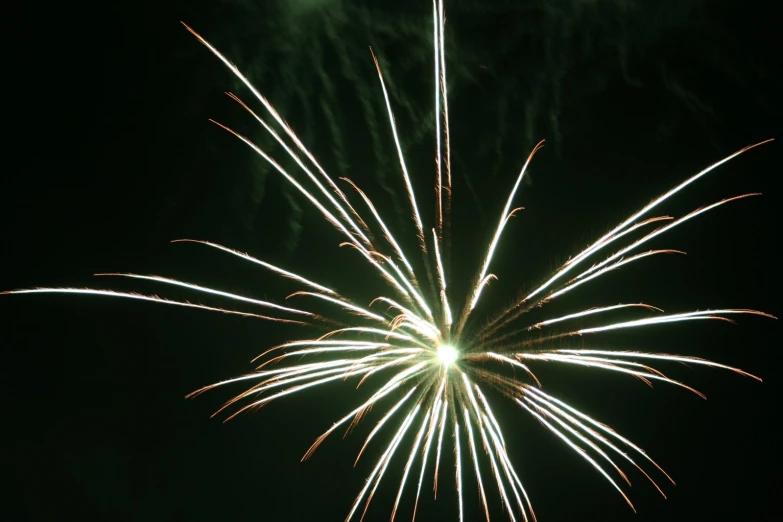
(430, 370)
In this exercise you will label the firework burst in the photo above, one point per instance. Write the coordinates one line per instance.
(435, 357)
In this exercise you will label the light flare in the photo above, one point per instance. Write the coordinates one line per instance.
(447, 355)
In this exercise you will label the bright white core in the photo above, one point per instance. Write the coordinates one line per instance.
(446, 354)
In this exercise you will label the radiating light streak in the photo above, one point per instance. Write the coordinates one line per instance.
(406, 177)
(272, 112)
(331, 218)
(284, 273)
(442, 429)
(499, 231)
(512, 362)
(390, 449)
(670, 318)
(212, 291)
(436, 37)
(579, 450)
(382, 422)
(592, 311)
(347, 306)
(609, 268)
(356, 228)
(408, 464)
(457, 451)
(592, 363)
(654, 203)
(663, 229)
(427, 445)
(445, 94)
(149, 298)
(513, 313)
(442, 279)
(474, 456)
(663, 357)
(386, 232)
(575, 422)
(602, 427)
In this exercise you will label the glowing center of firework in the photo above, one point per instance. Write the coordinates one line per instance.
(447, 354)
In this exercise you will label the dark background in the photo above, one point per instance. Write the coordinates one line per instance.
(109, 155)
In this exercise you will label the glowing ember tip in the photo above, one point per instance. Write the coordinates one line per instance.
(447, 354)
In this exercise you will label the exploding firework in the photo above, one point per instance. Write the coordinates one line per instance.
(436, 358)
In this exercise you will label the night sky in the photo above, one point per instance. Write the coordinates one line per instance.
(111, 156)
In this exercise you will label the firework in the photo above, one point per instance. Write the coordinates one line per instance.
(436, 360)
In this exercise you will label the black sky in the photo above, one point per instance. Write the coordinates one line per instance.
(110, 155)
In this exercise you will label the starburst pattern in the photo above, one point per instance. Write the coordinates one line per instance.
(436, 363)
